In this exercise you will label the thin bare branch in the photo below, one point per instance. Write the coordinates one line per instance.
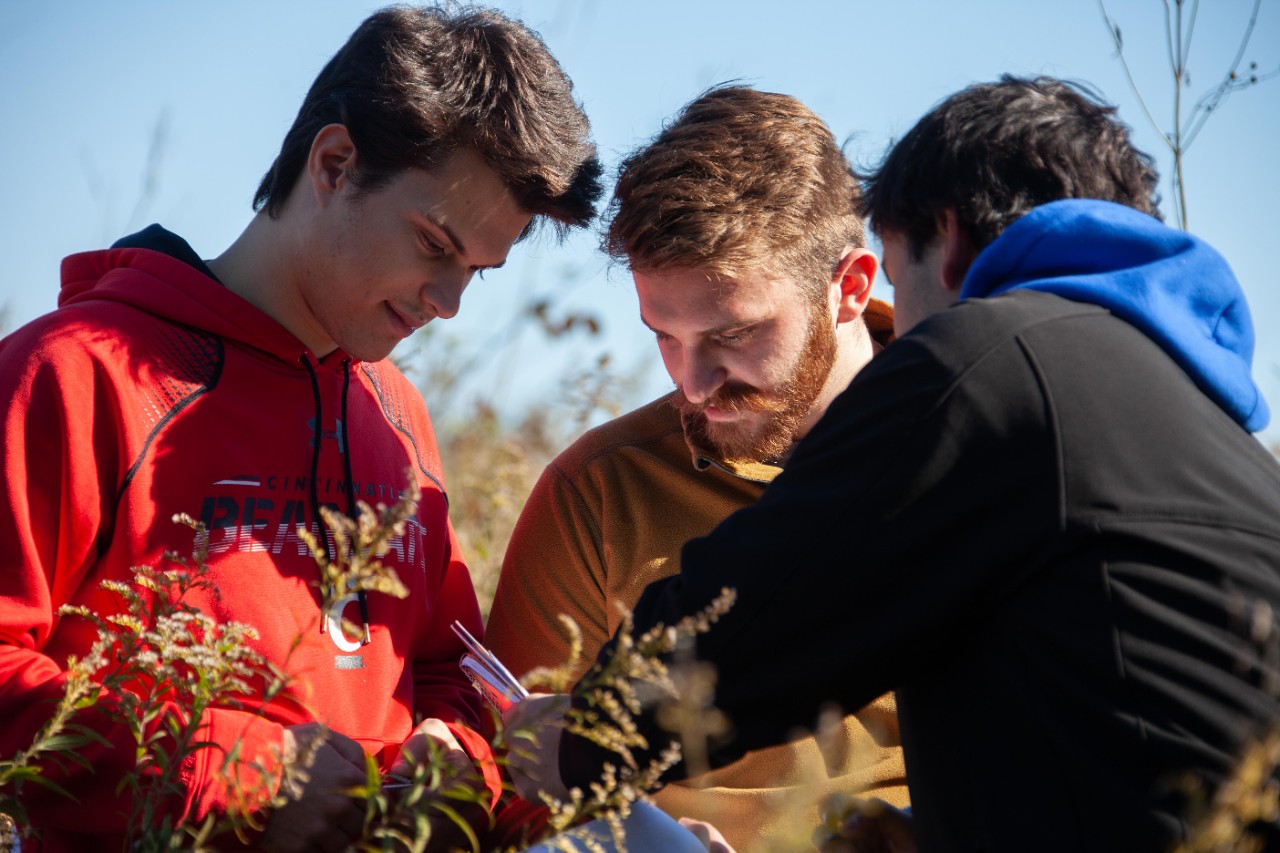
(1180, 19)
(1168, 39)
(1248, 34)
(1186, 41)
(1231, 82)
(1114, 31)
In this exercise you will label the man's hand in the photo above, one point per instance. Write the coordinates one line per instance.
(321, 817)
(853, 825)
(533, 729)
(417, 750)
(459, 771)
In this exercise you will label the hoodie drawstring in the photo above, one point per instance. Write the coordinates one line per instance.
(345, 448)
(351, 490)
(315, 470)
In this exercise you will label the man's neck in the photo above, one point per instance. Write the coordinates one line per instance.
(260, 268)
(245, 265)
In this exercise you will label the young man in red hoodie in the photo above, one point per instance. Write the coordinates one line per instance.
(250, 390)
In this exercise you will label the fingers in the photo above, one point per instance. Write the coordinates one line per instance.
(298, 738)
(533, 762)
(432, 743)
(321, 816)
(346, 748)
(328, 822)
(435, 728)
(526, 783)
(417, 750)
(537, 709)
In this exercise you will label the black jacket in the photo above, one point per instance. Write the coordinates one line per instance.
(1027, 520)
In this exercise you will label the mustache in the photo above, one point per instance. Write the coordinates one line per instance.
(732, 397)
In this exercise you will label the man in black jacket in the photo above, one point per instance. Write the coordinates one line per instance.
(1040, 515)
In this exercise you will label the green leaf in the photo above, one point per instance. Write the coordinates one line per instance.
(459, 822)
(73, 758)
(66, 742)
(422, 833)
(53, 786)
(91, 734)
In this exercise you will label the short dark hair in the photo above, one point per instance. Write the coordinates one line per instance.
(993, 151)
(740, 179)
(412, 85)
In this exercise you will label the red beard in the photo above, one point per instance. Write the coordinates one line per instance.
(788, 404)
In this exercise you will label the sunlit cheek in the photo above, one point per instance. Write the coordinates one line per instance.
(767, 369)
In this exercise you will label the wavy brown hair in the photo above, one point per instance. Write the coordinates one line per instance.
(412, 85)
(740, 180)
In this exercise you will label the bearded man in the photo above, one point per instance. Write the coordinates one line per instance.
(738, 223)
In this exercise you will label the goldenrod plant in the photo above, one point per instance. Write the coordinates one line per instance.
(359, 544)
(605, 701)
(156, 666)
(158, 663)
(1231, 820)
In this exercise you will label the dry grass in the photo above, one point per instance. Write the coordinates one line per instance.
(493, 453)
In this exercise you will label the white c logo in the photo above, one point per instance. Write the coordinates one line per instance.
(335, 624)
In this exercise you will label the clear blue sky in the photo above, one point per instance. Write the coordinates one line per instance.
(84, 86)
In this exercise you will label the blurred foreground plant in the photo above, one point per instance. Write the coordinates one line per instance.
(156, 666)
(1234, 819)
(158, 663)
(359, 544)
(632, 677)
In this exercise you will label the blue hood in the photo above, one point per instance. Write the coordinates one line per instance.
(1172, 286)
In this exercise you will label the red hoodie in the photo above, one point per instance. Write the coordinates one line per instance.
(154, 390)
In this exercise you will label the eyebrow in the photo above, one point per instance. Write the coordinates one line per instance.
(457, 241)
(718, 330)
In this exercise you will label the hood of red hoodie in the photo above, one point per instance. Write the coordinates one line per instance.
(168, 287)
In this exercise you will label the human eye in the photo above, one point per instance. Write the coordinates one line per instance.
(430, 244)
(735, 337)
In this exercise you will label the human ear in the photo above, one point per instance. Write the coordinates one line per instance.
(330, 162)
(851, 282)
(957, 250)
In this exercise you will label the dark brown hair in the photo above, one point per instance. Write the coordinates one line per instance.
(740, 180)
(994, 151)
(412, 85)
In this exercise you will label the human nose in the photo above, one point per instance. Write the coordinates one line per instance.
(443, 294)
(701, 375)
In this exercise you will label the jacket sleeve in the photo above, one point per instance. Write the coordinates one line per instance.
(440, 688)
(908, 510)
(62, 461)
(554, 565)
